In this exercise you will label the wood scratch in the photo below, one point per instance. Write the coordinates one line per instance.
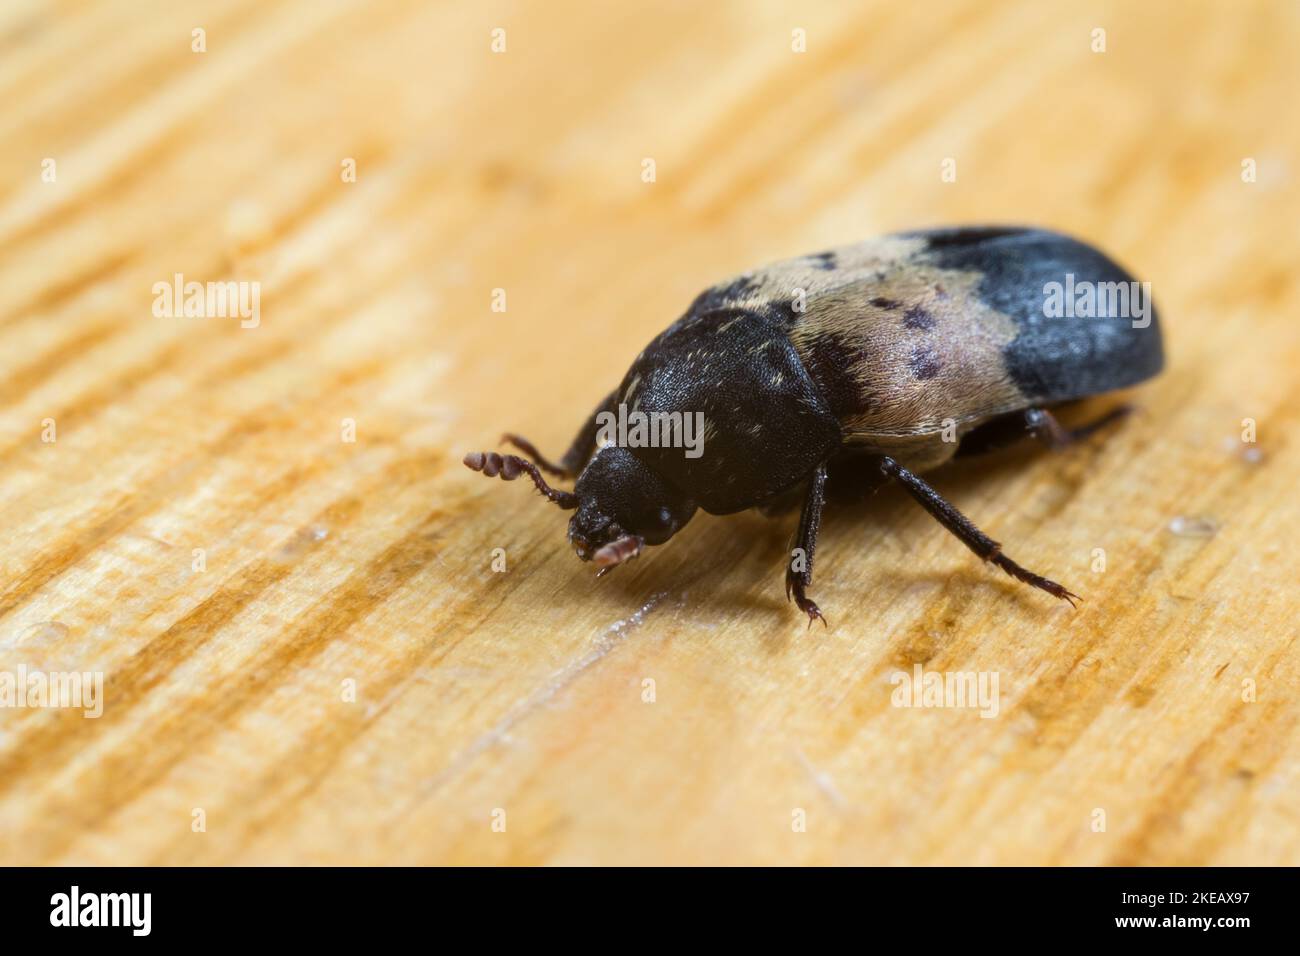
(607, 641)
(822, 780)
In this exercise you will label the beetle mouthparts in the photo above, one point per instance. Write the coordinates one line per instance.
(617, 551)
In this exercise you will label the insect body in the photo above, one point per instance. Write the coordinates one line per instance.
(900, 352)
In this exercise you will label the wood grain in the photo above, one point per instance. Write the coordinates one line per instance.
(1165, 705)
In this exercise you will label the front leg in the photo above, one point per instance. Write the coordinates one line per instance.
(798, 573)
(580, 451)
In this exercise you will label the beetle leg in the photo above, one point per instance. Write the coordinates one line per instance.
(975, 539)
(1006, 430)
(529, 449)
(805, 546)
(580, 451)
(1043, 425)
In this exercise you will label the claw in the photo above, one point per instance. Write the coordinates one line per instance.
(795, 588)
(1069, 596)
(813, 611)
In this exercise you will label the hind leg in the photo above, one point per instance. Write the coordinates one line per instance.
(1039, 423)
(966, 532)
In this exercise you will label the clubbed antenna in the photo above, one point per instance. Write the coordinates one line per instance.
(509, 467)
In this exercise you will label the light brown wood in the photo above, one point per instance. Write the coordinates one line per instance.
(1165, 705)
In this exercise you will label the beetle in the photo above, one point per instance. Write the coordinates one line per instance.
(901, 352)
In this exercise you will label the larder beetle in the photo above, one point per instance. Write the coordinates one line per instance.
(902, 352)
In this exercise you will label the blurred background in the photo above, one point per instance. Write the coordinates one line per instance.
(463, 218)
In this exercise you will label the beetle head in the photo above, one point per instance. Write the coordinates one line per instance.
(620, 504)
(623, 505)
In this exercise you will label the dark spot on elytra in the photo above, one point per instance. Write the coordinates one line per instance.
(880, 302)
(924, 363)
(824, 260)
(830, 362)
(918, 318)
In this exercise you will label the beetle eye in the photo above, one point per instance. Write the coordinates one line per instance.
(665, 516)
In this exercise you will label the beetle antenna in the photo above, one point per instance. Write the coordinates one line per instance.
(529, 449)
(509, 467)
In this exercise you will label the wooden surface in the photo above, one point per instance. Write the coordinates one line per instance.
(329, 561)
